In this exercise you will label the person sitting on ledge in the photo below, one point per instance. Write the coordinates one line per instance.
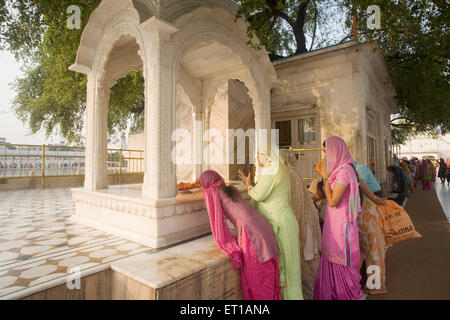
(402, 181)
(255, 252)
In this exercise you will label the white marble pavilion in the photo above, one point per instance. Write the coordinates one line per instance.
(198, 68)
(187, 51)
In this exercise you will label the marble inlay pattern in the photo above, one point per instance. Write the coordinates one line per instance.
(38, 242)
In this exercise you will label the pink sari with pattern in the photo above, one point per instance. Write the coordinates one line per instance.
(255, 251)
(338, 275)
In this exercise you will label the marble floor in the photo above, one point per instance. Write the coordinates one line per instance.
(39, 245)
(443, 194)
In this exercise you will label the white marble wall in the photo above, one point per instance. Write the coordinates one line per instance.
(232, 109)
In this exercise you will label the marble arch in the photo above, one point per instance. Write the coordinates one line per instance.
(199, 31)
(217, 25)
(163, 38)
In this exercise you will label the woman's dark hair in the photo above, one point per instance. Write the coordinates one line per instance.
(320, 189)
(230, 192)
(324, 143)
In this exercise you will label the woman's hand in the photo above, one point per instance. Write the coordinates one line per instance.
(365, 189)
(323, 170)
(316, 167)
(245, 179)
(379, 201)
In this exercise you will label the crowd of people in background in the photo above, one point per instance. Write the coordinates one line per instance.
(295, 243)
(416, 170)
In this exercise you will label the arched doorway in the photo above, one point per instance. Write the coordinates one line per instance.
(184, 46)
(232, 114)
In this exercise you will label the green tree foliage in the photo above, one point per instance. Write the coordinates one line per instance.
(287, 27)
(278, 24)
(49, 95)
(414, 38)
(415, 41)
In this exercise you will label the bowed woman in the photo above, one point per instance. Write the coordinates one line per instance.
(255, 250)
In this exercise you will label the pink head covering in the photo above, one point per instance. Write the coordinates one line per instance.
(210, 180)
(337, 155)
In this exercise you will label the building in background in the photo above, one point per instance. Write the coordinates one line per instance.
(343, 90)
(3, 141)
(423, 146)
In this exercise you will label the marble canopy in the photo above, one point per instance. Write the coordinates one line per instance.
(194, 45)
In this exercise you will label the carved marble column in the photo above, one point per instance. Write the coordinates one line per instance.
(198, 143)
(96, 176)
(160, 174)
(263, 126)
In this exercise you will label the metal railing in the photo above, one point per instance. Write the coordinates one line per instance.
(123, 161)
(24, 161)
(307, 158)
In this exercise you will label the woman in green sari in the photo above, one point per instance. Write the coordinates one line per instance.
(271, 195)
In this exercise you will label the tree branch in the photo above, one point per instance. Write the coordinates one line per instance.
(346, 37)
(285, 17)
(402, 125)
(315, 26)
(401, 117)
(300, 21)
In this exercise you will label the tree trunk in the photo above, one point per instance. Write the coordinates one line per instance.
(299, 33)
(301, 41)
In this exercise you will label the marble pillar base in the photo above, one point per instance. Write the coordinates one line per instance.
(122, 211)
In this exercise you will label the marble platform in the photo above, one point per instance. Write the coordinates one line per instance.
(196, 270)
(39, 245)
(124, 212)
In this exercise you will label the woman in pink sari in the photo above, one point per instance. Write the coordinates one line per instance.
(255, 251)
(338, 277)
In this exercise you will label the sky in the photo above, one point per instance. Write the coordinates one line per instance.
(11, 127)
